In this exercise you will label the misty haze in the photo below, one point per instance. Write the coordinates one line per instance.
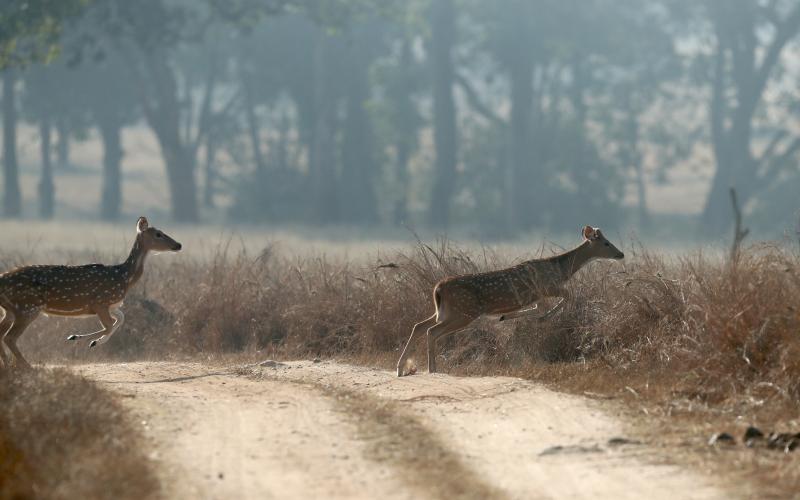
(399, 248)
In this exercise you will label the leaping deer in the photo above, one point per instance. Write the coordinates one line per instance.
(508, 293)
(93, 289)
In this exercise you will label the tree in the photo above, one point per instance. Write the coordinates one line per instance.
(12, 199)
(364, 44)
(445, 133)
(42, 90)
(110, 98)
(30, 31)
(750, 38)
(401, 79)
(149, 34)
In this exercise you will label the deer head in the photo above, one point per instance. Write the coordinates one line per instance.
(154, 239)
(599, 246)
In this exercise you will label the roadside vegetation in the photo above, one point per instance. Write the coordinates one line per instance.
(61, 436)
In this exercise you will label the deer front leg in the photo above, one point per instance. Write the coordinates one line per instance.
(5, 326)
(525, 312)
(419, 326)
(517, 314)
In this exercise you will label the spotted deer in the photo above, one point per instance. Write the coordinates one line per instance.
(507, 293)
(93, 289)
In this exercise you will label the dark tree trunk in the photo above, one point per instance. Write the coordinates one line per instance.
(579, 166)
(281, 158)
(12, 199)
(62, 144)
(210, 169)
(522, 186)
(358, 162)
(444, 111)
(181, 177)
(253, 127)
(163, 115)
(400, 214)
(407, 131)
(632, 158)
(111, 200)
(325, 202)
(46, 186)
(733, 157)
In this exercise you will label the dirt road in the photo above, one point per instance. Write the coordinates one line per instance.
(327, 430)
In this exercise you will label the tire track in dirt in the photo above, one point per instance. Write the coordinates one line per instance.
(522, 439)
(217, 435)
(300, 429)
(398, 438)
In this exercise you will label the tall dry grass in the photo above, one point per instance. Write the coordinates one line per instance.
(690, 337)
(696, 325)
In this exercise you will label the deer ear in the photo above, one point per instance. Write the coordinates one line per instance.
(141, 224)
(588, 232)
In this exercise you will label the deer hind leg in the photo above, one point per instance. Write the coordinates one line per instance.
(552, 310)
(5, 326)
(109, 325)
(443, 329)
(118, 320)
(21, 322)
(419, 326)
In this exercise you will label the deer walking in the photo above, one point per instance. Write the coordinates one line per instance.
(508, 293)
(93, 289)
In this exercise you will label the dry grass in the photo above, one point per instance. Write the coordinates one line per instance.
(697, 342)
(61, 436)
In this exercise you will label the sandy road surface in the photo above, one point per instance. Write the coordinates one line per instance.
(327, 430)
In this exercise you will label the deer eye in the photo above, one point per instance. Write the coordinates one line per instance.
(607, 244)
(159, 234)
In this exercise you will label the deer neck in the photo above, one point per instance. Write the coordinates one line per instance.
(133, 266)
(571, 261)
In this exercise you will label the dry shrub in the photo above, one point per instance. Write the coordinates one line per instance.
(61, 436)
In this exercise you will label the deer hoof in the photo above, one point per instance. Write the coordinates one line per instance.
(72, 337)
(92, 343)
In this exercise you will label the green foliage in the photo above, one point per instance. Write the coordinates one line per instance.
(30, 30)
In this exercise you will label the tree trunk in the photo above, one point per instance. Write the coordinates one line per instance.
(522, 186)
(407, 132)
(12, 199)
(111, 200)
(444, 111)
(253, 127)
(632, 158)
(46, 186)
(400, 212)
(358, 162)
(325, 203)
(739, 79)
(181, 177)
(210, 169)
(62, 144)
(163, 115)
